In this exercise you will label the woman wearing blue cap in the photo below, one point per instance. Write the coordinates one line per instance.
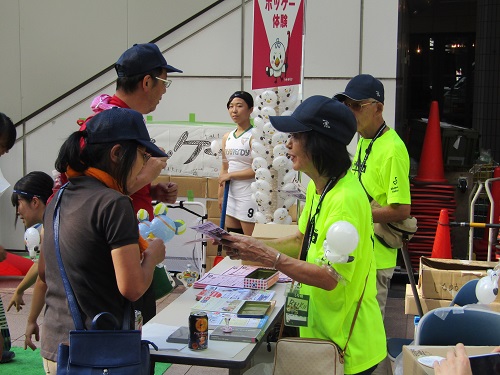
(321, 128)
(105, 260)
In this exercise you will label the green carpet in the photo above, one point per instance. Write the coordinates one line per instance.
(30, 362)
(25, 362)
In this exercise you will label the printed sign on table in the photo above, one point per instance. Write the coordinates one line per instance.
(277, 43)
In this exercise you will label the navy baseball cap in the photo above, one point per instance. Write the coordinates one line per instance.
(363, 86)
(142, 58)
(121, 124)
(321, 114)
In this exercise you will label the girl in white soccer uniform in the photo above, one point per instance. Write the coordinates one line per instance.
(237, 166)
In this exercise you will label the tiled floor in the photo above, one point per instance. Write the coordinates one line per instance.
(397, 323)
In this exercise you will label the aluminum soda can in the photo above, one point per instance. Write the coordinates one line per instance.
(198, 331)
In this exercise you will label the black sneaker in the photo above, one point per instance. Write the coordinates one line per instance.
(7, 356)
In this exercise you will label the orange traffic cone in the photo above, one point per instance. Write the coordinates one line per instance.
(442, 241)
(431, 167)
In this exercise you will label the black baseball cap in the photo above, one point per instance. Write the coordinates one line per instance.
(142, 58)
(363, 86)
(243, 95)
(321, 114)
(121, 124)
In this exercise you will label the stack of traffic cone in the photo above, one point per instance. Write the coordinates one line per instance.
(442, 241)
(430, 168)
(430, 191)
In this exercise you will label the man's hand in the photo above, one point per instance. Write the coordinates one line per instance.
(456, 363)
(164, 192)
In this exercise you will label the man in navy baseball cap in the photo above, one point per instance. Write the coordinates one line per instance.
(362, 87)
(142, 58)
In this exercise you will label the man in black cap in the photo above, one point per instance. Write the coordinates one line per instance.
(142, 80)
(382, 165)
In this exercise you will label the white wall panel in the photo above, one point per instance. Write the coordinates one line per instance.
(216, 51)
(10, 72)
(380, 37)
(332, 38)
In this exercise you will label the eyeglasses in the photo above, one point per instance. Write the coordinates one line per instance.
(166, 82)
(145, 156)
(356, 106)
(29, 195)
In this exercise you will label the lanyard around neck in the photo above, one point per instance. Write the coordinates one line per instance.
(308, 235)
(362, 166)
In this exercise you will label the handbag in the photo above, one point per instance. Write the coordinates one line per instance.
(302, 356)
(391, 234)
(96, 351)
(163, 283)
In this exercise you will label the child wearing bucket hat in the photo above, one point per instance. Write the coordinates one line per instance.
(105, 260)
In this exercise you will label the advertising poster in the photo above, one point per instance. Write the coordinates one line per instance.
(277, 43)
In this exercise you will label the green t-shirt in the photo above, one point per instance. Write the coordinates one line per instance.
(331, 312)
(386, 179)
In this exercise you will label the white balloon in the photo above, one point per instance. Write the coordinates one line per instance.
(263, 174)
(255, 113)
(265, 112)
(342, 237)
(259, 162)
(259, 149)
(279, 215)
(257, 134)
(263, 185)
(260, 218)
(279, 138)
(280, 150)
(289, 187)
(268, 130)
(289, 202)
(32, 241)
(487, 289)
(259, 101)
(287, 113)
(289, 177)
(258, 122)
(216, 147)
(253, 186)
(280, 162)
(288, 220)
(262, 199)
(269, 98)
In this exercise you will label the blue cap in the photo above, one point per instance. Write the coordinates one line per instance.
(121, 124)
(321, 114)
(142, 58)
(361, 87)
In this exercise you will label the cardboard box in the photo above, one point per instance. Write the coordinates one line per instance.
(212, 188)
(210, 262)
(412, 353)
(213, 208)
(162, 178)
(442, 278)
(270, 231)
(191, 186)
(431, 304)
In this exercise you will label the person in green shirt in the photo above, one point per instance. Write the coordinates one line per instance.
(382, 165)
(321, 128)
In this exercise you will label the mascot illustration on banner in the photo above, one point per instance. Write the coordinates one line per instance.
(278, 60)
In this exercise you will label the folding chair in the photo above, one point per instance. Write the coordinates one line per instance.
(451, 325)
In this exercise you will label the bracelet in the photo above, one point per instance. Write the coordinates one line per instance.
(277, 259)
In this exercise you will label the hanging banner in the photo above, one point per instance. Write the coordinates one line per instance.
(277, 43)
